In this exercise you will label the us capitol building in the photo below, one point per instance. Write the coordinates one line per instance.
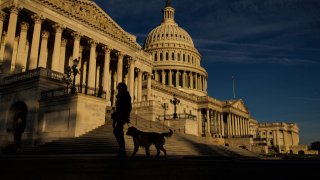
(62, 59)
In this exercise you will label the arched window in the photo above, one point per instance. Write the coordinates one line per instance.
(167, 56)
(172, 56)
(161, 56)
(184, 57)
(178, 56)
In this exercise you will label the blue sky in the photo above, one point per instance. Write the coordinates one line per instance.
(272, 47)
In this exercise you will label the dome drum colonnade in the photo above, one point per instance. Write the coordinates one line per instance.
(100, 64)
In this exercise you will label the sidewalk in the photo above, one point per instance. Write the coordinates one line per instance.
(99, 166)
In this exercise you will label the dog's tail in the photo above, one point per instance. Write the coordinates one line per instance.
(169, 134)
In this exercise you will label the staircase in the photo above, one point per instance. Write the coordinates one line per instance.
(102, 141)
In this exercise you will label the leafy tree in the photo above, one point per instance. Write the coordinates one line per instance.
(315, 145)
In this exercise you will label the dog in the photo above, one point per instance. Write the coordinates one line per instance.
(146, 139)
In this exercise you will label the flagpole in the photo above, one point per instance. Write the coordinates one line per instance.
(234, 91)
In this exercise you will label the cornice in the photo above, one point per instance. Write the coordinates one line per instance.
(91, 14)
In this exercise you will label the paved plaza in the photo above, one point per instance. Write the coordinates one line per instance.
(109, 167)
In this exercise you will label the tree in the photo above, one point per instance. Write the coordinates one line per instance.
(315, 145)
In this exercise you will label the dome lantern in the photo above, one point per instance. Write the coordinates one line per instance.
(168, 13)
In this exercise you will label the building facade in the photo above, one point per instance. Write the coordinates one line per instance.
(41, 40)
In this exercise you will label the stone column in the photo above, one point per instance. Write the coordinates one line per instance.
(222, 124)
(184, 79)
(2, 18)
(233, 128)
(120, 68)
(44, 49)
(247, 126)
(11, 35)
(191, 80)
(241, 125)
(56, 49)
(244, 126)
(237, 125)
(201, 83)
(163, 76)
(76, 52)
(229, 124)
(205, 84)
(33, 60)
(106, 72)
(208, 123)
(139, 98)
(14, 53)
(157, 76)
(20, 65)
(76, 45)
(170, 77)
(149, 87)
(81, 66)
(196, 81)
(234, 125)
(92, 64)
(278, 137)
(217, 118)
(84, 73)
(177, 78)
(131, 76)
(62, 55)
(3, 44)
(97, 84)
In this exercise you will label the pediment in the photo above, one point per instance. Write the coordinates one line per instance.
(239, 104)
(90, 13)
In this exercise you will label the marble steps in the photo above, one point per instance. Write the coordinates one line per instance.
(101, 140)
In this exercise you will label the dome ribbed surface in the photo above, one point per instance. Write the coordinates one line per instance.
(169, 33)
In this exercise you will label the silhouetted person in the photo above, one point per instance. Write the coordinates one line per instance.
(121, 116)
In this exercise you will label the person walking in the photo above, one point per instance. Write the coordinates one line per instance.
(121, 116)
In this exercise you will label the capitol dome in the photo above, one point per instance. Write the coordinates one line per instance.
(169, 33)
(177, 61)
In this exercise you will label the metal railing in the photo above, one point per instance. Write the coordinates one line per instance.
(67, 90)
(180, 116)
(39, 72)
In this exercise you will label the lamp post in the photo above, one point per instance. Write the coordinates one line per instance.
(75, 71)
(175, 101)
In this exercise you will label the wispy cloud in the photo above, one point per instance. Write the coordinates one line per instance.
(305, 99)
(238, 59)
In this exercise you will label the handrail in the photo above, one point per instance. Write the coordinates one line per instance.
(67, 90)
(180, 116)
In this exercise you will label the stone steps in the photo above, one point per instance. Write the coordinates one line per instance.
(102, 141)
